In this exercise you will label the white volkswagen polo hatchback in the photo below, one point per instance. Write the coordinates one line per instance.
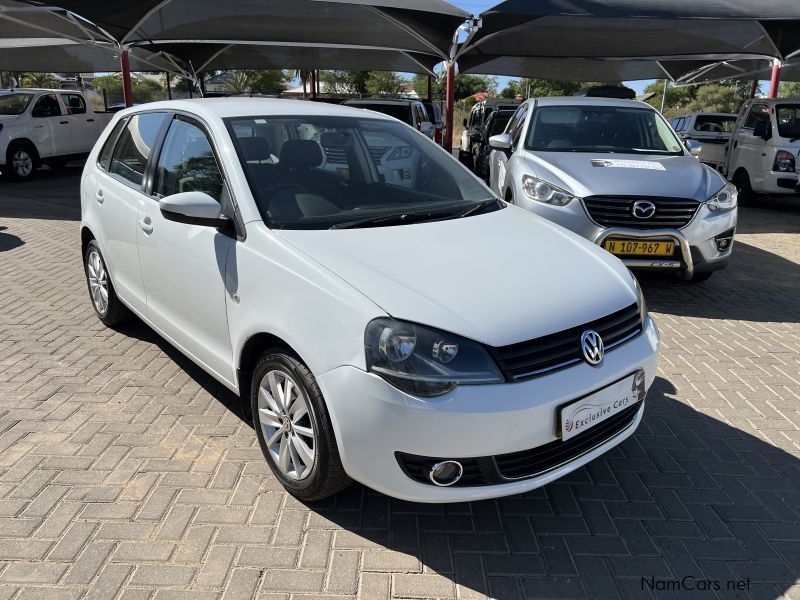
(383, 316)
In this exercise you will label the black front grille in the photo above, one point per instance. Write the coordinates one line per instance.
(536, 461)
(562, 349)
(494, 470)
(670, 213)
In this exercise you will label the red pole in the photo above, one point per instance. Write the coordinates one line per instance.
(775, 82)
(127, 92)
(450, 102)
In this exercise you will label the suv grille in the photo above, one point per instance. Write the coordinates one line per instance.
(562, 349)
(671, 213)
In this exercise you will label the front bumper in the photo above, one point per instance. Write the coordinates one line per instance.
(698, 251)
(373, 421)
(775, 182)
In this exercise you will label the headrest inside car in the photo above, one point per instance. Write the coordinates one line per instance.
(254, 148)
(300, 154)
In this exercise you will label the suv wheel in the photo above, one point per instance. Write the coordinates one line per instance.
(106, 305)
(21, 161)
(294, 429)
(742, 182)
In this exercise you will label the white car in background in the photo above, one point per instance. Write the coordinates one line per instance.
(614, 172)
(370, 327)
(712, 130)
(51, 127)
(764, 151)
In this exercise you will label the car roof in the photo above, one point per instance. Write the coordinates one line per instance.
(588, 101)
(709, 114)
(251, 107)
(380, 101)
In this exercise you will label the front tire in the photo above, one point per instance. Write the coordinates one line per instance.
(745, 191)
(107, 306)
(294, 428)
(21, 162)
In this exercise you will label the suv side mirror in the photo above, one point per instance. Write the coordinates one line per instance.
(694, 147)
(426, 128)
(763, 129)
(501, 141)
(193, 208)
(465, 122)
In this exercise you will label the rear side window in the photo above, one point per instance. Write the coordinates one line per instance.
(108, 148)
(187, 163)
(135, 146)
(715, 123)
(74, 103)
(46, 106)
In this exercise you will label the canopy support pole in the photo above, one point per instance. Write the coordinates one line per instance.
(775, 82)
(169, 86)
(664, 96)
(127, 91)
(430, 87)
(203, 84)
(313, 84)
(450, 101)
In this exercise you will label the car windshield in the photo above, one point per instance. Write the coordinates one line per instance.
(788, 117)
(715, 123)
(398, 111)
(14, 104)
(313, 172)
(612, 129)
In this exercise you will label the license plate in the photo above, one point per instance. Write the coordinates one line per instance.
(639, 247)
(583, 414)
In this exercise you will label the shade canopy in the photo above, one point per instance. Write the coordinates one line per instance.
(58, 54)
(24, 21)
(213, 57)
(516, 29)
(425, 26)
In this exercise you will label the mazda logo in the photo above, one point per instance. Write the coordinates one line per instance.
(592, 347)
(643, 209)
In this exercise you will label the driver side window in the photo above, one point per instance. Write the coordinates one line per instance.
(46, 106)
(515, 129)
(187, 163)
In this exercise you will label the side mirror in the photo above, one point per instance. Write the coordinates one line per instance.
(694, 147)
(763, 129)
(501, 141)
(427, 128)
(193, 208)
(465, 122)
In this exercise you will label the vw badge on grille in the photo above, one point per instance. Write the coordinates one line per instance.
(592, 347)
(643, 209)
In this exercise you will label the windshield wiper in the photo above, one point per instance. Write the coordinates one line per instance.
(480, 207)
(396, 219)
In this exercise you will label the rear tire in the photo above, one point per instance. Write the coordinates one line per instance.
(21, 161)
(745, 192)
(107, 306)
(296, 437)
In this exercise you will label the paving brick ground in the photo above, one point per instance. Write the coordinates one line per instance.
(125, 472)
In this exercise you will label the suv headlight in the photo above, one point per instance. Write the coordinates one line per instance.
(725, 199)
(542, 191)
(424, 361)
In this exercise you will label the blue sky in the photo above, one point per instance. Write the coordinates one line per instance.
(478, 6)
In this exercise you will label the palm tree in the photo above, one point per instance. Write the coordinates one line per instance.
(240, 82)
(304, 77)
(38, 80)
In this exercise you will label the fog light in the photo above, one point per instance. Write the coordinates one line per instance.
(724, 240)
(446, 473)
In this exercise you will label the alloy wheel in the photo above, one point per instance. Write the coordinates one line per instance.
(98, 280)
(283, 413)
(22, 162)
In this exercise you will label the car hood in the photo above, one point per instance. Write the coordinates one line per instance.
(602, 174)
(497, 278)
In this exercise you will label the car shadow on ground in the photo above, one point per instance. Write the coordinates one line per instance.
(9, 241)
(688, 496)
(52, 194)
(770, 214)
(756, 286)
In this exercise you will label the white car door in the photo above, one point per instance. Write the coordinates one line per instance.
(119, 197)
(82, 125)
(51, 128)
(184, 265)
(747, 148)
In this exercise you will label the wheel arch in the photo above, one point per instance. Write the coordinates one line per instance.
(23, 141)
(248, 356)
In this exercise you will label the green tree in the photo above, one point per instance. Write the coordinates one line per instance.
(789, 89)
(240, 82)
(715, 97)
(144, 90)
(466, 85)
(385, 82)
(538, 88)
(38, 80)
(677, 97)
(345, 82)
(270, 81)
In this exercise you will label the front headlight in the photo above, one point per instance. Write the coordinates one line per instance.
(723, 200)
(542, 191)
(640, 302)
(424, 361)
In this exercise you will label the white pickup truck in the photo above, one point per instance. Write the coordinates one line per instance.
(764, 149)
(49, 127)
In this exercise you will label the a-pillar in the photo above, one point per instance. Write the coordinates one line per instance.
(449, 105)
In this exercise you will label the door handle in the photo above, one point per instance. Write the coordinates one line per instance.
(146, 225)
(63, 122)
(99, 196)
(90, 120)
